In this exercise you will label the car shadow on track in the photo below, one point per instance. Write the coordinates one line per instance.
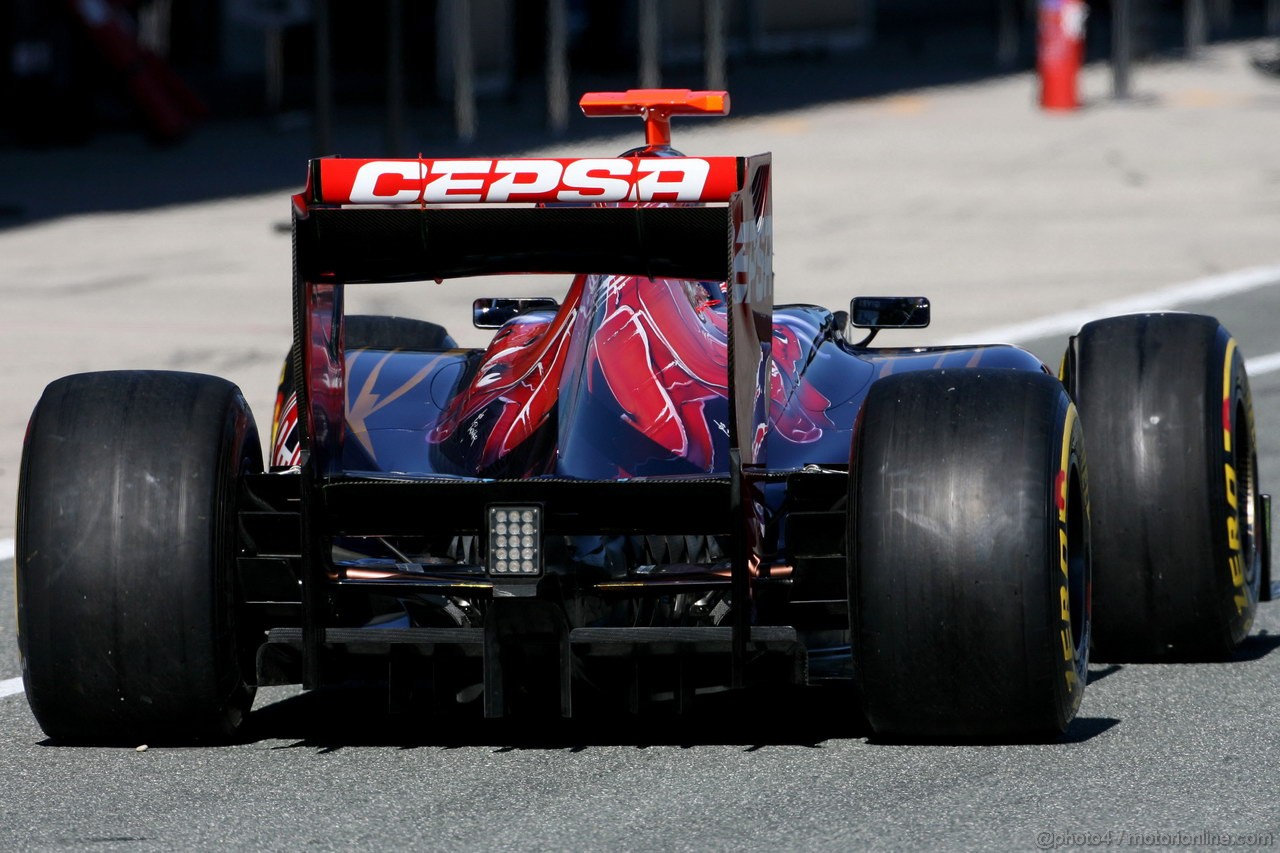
(328, 720)
(1081, 730)
(1256, 647)
(333, 718)
(1096, 674)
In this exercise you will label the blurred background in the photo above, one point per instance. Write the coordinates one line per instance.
(441, 71)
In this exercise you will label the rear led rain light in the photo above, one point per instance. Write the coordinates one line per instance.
(515, 541)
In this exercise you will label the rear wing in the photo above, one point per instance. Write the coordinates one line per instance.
(361, 221)
(705, 218)
(403, 220)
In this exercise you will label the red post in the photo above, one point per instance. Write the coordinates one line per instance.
(1060, 52)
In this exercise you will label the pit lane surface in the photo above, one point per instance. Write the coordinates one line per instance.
(1157, 751)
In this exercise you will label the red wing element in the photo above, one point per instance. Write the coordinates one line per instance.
(657, 106)
(338, 180)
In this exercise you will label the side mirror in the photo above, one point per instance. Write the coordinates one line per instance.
(493, 312)
(889, 312)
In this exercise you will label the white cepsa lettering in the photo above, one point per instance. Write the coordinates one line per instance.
(602, 180)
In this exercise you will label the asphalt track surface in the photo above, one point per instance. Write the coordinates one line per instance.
(1159, 756)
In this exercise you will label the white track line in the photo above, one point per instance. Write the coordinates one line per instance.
(1201, 289)
(1262, 364)
(9, 686)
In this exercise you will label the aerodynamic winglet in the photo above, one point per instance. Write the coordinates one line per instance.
(656, 106)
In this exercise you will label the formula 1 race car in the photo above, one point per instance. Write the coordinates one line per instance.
(659, 485)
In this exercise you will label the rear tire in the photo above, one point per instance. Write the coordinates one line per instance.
(126, 548)
(969, 557)
(1166, 406)
(382, 331)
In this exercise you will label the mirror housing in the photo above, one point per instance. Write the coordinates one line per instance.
(889, 312)
(492, 312)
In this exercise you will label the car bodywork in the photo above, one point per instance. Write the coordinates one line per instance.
(680, 442)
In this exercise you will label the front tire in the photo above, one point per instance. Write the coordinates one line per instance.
(127, 616)
(1169, 418)
(969, 555)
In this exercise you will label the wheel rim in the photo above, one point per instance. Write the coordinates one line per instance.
(1078, 560)
(1244, 460)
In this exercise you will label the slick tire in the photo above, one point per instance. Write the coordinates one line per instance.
(1177, 541)
(379, 331)
(126, 548)
(969, 556)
